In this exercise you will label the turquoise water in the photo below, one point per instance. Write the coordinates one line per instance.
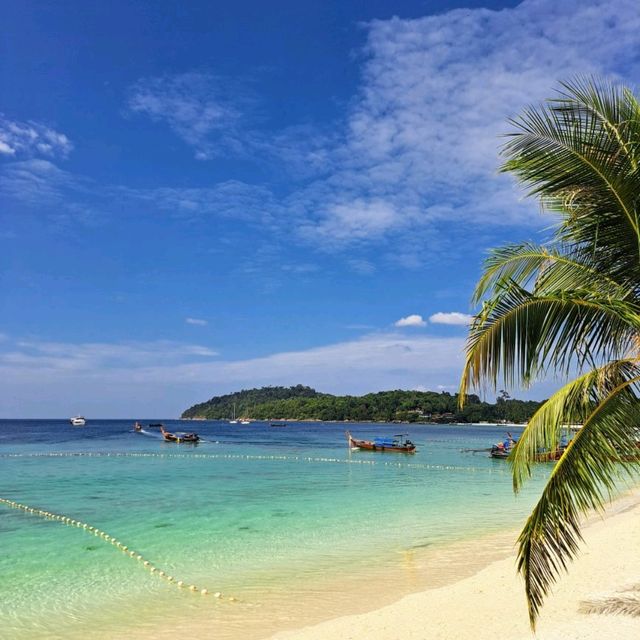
(256, 512)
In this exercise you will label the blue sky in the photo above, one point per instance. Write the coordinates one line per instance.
(200, 197)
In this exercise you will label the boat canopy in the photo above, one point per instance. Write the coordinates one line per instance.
(384, 442)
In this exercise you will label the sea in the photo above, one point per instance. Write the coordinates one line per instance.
(286, 525)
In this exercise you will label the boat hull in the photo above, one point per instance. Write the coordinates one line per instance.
(181, 439)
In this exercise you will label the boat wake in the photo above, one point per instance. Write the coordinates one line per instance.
(149, 434)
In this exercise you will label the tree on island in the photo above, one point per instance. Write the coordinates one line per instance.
(571, 307)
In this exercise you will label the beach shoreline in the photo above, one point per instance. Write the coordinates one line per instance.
(354, 591)
(480, 599)
(491, 602)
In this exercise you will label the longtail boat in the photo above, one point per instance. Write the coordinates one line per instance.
(179, 437)
(542, 456)
(398, 443)
(501, 450)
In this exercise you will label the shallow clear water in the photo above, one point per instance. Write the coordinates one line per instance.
(257, 512)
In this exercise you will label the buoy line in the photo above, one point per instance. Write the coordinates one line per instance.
(235, 456)
(180, 584)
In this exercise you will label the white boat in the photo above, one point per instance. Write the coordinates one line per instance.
(77, 421)
(233, 420)
(245, 421)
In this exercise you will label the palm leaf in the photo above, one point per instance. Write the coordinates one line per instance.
(520, 335)
(583, 479)
(543, 268)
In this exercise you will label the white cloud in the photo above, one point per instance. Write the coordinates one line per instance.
(40, 182)
(422, 138)
(413, 320)
(37, 181)
(453, 318)
(362, 266)
(31, 139)
(355, 220)
(6, 149)
(414, 162)
(230, 199)
(97, 358)
(196, 321)
(197, 106)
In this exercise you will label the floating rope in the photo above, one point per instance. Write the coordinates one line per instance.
(231, 456)
(180, 584)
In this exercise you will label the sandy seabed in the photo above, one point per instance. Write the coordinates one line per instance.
(491, 604)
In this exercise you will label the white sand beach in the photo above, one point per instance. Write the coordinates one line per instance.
(491, 603)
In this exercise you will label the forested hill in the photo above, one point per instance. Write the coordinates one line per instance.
(244, 402)
(305, 403)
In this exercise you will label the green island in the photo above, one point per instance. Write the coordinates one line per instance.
(304, 403)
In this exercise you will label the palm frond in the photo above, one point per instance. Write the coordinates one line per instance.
(579, 154)
(519, 335)
(615, 107)
(582, 480)
(546, 269)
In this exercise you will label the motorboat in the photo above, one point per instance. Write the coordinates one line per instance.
(192, 438)
(399, 443)
(502, 450)
(77, 421)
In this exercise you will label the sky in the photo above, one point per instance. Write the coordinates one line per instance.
(201, 197)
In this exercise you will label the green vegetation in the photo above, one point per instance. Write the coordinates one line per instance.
(572, 305)
(304, 403)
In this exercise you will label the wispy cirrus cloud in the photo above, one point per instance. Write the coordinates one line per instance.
(198, 322)
(42, 183)
(202, 109)
(31, 138)
(361, 266)
(97, 358)
(229, 199)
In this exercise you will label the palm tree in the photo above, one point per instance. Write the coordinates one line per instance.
(572, 308)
